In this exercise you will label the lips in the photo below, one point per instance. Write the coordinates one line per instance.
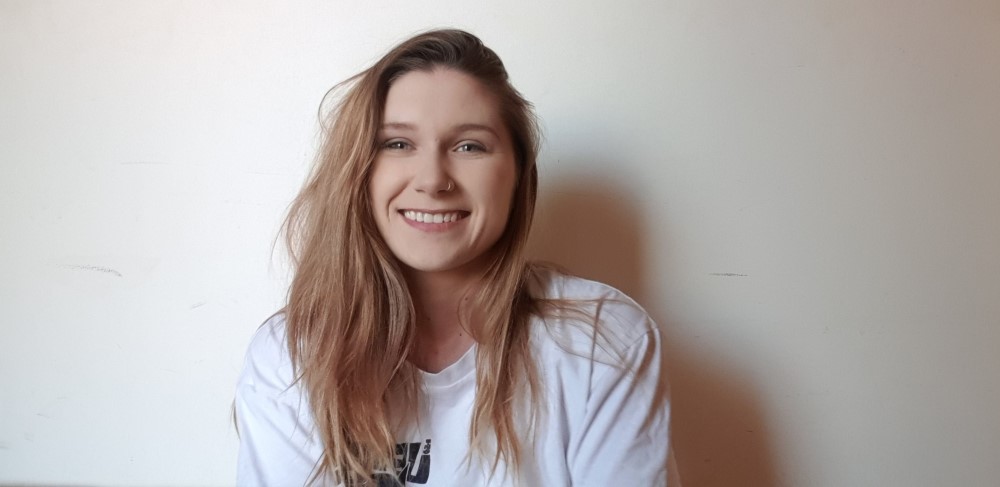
(435, 216)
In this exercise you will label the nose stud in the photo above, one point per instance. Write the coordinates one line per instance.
(451, 185)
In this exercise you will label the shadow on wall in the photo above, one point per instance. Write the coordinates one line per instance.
(719, 436)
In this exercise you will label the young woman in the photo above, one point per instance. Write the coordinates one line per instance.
(418, 346)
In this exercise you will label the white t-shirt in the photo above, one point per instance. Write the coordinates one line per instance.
(591, 432)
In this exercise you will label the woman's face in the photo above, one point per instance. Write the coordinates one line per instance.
(444, 176)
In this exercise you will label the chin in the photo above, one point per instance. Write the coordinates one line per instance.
(425, 264)
(440, 265)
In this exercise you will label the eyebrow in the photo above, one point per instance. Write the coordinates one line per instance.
(398, 126)
(465, 127)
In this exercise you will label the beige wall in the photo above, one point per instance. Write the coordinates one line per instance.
(805, 195)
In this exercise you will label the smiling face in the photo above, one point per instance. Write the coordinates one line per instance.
(444, 176)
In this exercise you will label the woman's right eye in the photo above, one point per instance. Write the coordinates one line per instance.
(396, 145)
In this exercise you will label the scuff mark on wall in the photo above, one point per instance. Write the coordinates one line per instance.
(95, 268)
(727, 274)
(145, 163)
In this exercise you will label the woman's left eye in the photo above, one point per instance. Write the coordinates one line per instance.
(470, 147)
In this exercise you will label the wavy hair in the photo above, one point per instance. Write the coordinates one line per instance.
(350, 317)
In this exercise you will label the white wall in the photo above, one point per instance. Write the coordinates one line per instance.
(805, 194)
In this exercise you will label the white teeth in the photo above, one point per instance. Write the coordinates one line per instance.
(421, 217)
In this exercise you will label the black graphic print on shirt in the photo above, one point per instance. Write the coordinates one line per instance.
(413, 464)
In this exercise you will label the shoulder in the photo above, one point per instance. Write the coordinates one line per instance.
(582, 311)
(278, 440)
(267, 365)
(601, 363)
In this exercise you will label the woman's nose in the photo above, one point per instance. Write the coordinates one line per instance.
(432, 174)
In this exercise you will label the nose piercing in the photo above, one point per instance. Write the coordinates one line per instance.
(451, 185)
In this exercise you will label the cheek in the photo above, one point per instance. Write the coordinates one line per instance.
(380, 190)
(503, 191)
(509, 187)
(374, 202)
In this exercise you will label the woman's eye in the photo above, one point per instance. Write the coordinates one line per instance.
(470, 147)
(396, 145)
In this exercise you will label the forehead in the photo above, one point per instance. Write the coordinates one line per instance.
(440, 98)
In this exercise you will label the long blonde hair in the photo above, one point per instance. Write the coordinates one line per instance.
(350, 318)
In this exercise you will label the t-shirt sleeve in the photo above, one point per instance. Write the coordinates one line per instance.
(624, 437)
(278, 443)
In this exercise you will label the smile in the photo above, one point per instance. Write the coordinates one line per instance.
(443, 217)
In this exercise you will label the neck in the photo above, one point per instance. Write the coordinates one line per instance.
(441, 336)
(436, 298)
